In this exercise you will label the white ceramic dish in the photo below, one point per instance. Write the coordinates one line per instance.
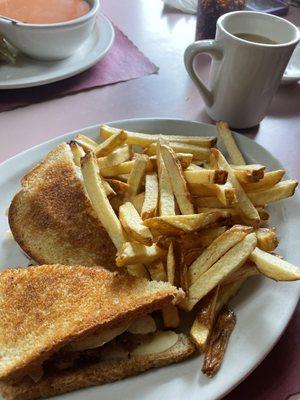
(50, 41)
(292, 72)
(28, 72)
(263, 307)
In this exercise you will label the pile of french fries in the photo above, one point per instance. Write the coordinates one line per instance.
(177, 210)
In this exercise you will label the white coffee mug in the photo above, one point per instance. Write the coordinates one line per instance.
(244, 75)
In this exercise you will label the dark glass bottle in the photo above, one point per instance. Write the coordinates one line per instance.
(208, 13)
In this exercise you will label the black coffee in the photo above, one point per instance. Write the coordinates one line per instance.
(251, 37)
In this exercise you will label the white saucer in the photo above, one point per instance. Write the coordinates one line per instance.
(28, 72)
(292, 72)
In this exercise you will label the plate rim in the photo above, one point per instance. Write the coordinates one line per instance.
(101, 19)
(268, 348)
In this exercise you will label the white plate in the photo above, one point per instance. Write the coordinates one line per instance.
(292, 72)
(28, 72)
(263, 307)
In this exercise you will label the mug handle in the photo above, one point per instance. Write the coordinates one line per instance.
(210, 47)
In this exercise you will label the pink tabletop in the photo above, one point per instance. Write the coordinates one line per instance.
(162, 35)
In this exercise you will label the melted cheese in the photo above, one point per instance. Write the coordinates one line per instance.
(93, 341)
(142, 326)
(160, 341)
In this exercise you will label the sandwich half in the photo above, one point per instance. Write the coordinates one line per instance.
(64, 328)
(52, 218)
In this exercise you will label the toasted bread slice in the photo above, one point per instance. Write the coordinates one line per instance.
(52, 218)
(45, 307)
(97, 373)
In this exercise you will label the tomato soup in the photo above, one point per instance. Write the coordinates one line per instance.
(43, 11)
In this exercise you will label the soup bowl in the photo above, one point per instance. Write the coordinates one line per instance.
(50, 41)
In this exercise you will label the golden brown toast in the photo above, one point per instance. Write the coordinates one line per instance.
(52, 218)
(45, 307)
(96, 374)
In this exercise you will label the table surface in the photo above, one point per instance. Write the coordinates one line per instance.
(162, 34)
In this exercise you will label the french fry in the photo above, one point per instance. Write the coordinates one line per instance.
(166, 197)
(133, 224)
(116, 170)
(228, 291)
(216, 250)
(180, 276)
(243, 205)
(86, 143)
(235, 217)
(157, 271)
(230, 143)
(206, 176)
(266, 239)
(200, 190)
(209, 202)
(136, 176)
(199, 153)
(122, 177)
(99, 200)
(248, 173)
(202, 238)
(138, 202)
(106, 147)
(150, 204)
(192, 254)
(273, 267)
(108, 189)
(113, 159)
(135, 253)
(195, 167)
(171, 265)
(138, 270)
(183, 272)
(270, 179)
(225, 193)
(280, 191)
(228, 263)
(77, 152)
(204, 320)
(118, 186)
(144, 139)
(177, 180)
(123, 168)
(170, 316)
(184, 158)
(218, 341)
(179, 224)
(181, 269)
(210, 234)
(267, 182)
(244, 272)
(163, 241)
